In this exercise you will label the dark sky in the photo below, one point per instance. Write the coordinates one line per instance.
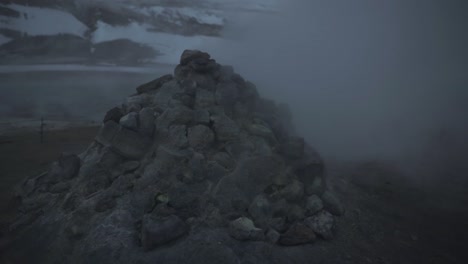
(364, 78)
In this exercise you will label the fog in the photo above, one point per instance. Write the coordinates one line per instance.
(364, 79)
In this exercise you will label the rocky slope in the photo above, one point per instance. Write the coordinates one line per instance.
(195, 166)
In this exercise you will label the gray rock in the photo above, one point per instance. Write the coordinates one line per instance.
(123, 184)
(141, 200)
(181, 72)
(244, 229)
(130, 121)
(283, 178)
(183, 198)
(105, 203)
(109, 159)
(200, 137)
(261, 146)
(225, 128)
(239, 80)
(272, 236)
(190, 55)
(184, 98)
(332, 204)
(113, 115)
(197, 165)
(154, 85)
(107, 133)
(240, 205)
(203, 65)
(227, 94)
(60, 187)
(147, 121)
(249, 95)
(295, 213)
(308, 167)
(313, 205)
(130, 144)
(189, 87)
(203, 81)
(215, 171)
(225, 73)
(157, 231)
(177, 136)
(129, 166)
(24, 220)
(322, 224)
(261, 130)
(201, 116)
(260, 210)
(293, 191)
(164, 96)
(115, 233)
(180, 115)
(297, 234)
(281, 207)
(93, 178)
(225, 160)
(250, 178)
(239, 148)
(68, 166)
(70, 202)
(132, 107)
(317, 187)
(168, 155)
(293, 148)
(204, 99)
(241, 110)
(278, 224)
(141, 100)
(78, 224)
(36, 202)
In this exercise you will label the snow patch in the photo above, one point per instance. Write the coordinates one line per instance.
(42, 21)
(170, 45)
(202, 16)
(246, 5)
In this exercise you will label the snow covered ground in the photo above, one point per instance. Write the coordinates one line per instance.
(203, 16)
(35, 21)
(42, 21)
(170, 45)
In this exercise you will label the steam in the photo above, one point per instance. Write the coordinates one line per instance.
(364, 79)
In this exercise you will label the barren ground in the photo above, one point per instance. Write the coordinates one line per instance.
(22, 155)
(388, 218)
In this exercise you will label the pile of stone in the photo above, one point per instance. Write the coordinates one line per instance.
(194, 151)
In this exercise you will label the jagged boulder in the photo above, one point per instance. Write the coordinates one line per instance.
(194, 156)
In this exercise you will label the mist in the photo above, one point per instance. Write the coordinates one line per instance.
(364, 79)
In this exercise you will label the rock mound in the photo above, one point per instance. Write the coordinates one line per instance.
(193, 166)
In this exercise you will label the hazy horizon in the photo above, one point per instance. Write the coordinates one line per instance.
(364, 79)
